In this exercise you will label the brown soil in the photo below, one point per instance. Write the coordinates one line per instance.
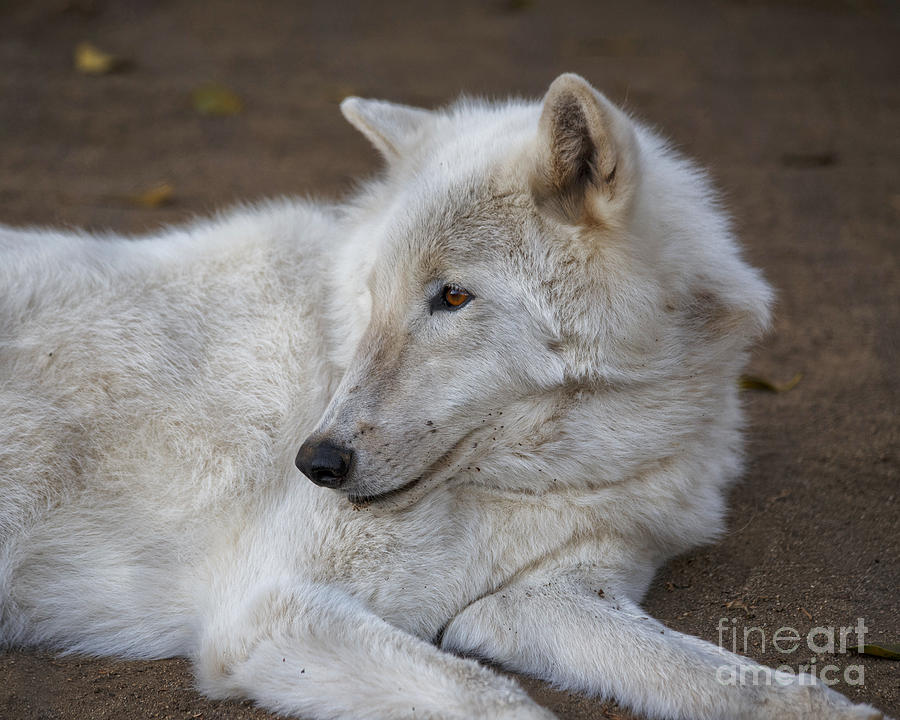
(794, 106)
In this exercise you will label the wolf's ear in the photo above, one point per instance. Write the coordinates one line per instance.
(393, 129)
(587, 158)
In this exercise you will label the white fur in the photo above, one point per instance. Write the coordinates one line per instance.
(573, 427)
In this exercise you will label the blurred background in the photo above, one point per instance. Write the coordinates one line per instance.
(131, 114)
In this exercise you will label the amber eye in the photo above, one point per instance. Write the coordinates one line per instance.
(455, 297)
(451, 297)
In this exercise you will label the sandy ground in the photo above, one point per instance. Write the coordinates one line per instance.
(795, 107)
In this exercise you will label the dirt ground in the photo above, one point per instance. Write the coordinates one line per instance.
(795, 107)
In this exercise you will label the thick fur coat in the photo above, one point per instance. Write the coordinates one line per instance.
(504, 475)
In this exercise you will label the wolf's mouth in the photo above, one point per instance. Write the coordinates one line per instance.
(441, 463)
(368, 499)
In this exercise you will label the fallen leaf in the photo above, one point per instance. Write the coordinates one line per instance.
(154, 197)
(737, 605)
(891, 652)
(751, 382)
(809, 160)
(91, 60)
(216, 100)
(518, 5)
(774, 498)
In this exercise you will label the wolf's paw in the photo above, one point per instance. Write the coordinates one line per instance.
(838, 707)
(507, 708)
(814, 701)
(531, 712)
(862, 712)
(514, 704)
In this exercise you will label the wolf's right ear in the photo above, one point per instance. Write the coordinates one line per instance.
(392, 128)
(587, 159)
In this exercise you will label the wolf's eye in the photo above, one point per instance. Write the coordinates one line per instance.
(451, 297)
(455, 297)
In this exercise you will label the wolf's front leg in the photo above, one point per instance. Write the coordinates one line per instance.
(316, 652)
(582, 636)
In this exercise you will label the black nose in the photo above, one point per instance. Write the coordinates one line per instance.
(324, 463)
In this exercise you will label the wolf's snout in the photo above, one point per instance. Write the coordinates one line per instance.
(324, 463)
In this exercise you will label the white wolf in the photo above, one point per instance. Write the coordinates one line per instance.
(511, 361)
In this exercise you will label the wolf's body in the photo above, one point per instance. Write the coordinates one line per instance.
(521, 465)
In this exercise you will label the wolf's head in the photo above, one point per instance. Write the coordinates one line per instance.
(553, 300)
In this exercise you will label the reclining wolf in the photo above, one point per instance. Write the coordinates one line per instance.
(508, 365)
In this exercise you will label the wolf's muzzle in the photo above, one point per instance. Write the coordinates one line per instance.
(324, 463)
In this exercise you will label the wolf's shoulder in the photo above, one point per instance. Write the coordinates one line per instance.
(44, 267)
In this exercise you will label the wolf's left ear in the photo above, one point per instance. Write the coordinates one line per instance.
(393, 129)
(587, 157)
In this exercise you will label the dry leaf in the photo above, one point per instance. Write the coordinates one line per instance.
(751, 382)
(518, 5)
(775, 498)
(891, 652)
(154, 197)
(216, 100)
(90, 60)
(809, 160)
(737, 605)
